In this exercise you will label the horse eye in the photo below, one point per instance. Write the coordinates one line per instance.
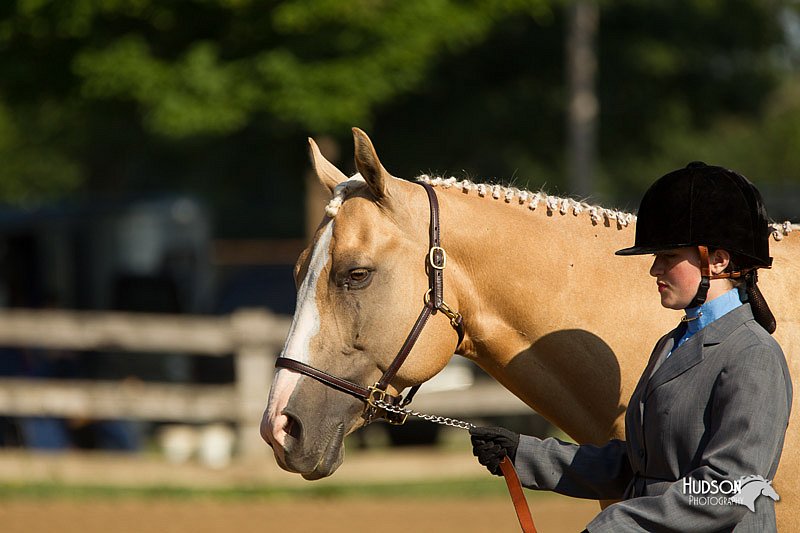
(358, 278)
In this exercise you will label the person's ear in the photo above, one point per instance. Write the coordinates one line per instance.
(719, 261)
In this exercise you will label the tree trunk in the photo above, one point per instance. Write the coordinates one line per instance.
(583, 20)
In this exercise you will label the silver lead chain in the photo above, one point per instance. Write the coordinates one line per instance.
(442, 420)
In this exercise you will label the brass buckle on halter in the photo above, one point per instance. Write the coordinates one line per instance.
(396, 419)
(444, 257)
(375, 395)
(379, 395)
(370, 409)
(454, 316)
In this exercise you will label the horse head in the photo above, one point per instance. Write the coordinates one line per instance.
(361, 284)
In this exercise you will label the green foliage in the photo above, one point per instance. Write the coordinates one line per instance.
(33, 167)
(320, 64)
(669, 74)
(138, 72)
(765, 148)
(194, 94)
(216, 96)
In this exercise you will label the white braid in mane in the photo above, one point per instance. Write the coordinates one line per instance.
(552, 203)
(780, 230)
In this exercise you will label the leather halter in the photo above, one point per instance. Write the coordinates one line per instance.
(436, 262)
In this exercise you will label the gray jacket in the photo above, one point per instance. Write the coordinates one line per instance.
(715, 410)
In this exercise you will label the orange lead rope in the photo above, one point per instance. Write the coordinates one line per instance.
(515, 489)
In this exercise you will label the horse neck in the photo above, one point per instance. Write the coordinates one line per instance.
(537, 290)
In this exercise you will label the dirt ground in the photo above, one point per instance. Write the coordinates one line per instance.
(297, 513)
(551, 515)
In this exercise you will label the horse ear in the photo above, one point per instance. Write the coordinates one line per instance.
(327, 173)
(369, 166)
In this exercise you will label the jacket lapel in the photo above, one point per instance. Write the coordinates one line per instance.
(693, 351)
(662, 348)
(661, 352)
(682, 359)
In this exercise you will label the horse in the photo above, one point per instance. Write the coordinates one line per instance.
(751, 487)
(544, 306)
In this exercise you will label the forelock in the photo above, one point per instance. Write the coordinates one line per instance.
(341, 191)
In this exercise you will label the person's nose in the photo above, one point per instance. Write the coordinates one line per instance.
(657, 268)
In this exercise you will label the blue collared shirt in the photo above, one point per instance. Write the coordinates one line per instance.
(708, 313)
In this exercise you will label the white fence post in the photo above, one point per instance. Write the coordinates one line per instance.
(254, 360)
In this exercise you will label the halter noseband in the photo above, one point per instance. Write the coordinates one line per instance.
(433, 302)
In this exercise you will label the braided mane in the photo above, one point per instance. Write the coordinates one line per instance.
(597, 213)
(553, 203)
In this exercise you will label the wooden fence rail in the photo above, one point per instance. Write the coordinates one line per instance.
(254, 337)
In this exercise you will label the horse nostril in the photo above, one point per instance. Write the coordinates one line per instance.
(292, 427)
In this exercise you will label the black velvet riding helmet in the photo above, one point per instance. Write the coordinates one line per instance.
(708, 207)
(704, 205)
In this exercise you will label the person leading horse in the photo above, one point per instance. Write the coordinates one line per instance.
(713, 402)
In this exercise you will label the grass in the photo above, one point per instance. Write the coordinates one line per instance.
(469, 488)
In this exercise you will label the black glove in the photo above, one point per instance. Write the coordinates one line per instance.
(491, 444)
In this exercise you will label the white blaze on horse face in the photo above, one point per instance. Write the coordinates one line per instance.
(305, 325)
(306, 322)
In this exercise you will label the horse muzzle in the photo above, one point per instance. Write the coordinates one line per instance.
(312, 456)
(305, 437)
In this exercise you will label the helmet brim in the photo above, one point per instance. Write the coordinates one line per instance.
(646, 250)
(744, 259)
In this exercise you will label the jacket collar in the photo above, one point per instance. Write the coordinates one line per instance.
(693, 350)
(725, 325)
(711, 311)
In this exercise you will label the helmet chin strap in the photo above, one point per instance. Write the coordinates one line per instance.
(706, 276)
(705, 279)
(761, 311)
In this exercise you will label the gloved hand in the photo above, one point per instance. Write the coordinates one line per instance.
(491, 444)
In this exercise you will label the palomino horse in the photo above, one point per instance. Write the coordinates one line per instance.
(548, 309)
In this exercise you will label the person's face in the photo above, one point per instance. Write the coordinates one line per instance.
(677, 274)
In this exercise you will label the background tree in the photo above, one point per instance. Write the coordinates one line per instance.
(216, 97)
